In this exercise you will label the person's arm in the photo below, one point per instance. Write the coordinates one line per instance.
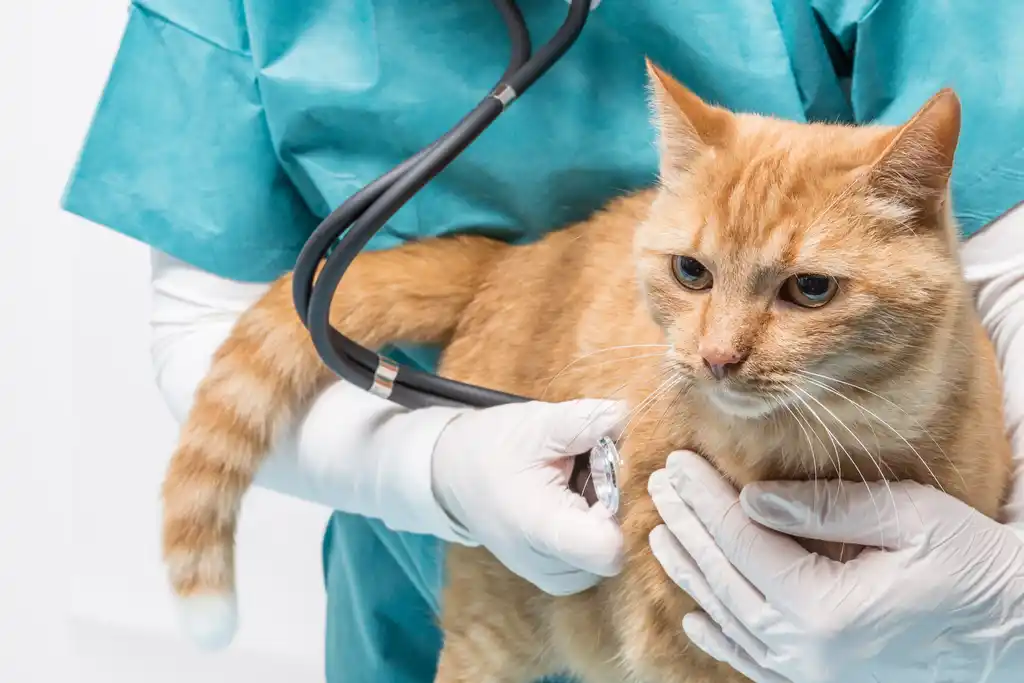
(940, 587)
(353, 451)
(994, 263)
(492, 477)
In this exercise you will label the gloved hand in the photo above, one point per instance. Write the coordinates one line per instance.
(937, 597)
(502, 473)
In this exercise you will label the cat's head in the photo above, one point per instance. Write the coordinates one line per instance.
(777, 252)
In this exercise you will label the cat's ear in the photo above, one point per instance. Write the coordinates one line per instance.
(914, 167)
(686, 124)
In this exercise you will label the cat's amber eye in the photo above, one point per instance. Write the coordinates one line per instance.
(809, 291)
(691, 273)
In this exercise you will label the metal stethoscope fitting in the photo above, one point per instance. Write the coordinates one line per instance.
(604, 473)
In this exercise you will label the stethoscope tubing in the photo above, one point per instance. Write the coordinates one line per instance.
(345, 232)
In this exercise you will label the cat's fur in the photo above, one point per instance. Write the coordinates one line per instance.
(755, 199)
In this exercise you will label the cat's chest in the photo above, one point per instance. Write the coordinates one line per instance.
(783, 447)
(746, 452)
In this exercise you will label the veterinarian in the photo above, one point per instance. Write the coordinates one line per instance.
(228, 129)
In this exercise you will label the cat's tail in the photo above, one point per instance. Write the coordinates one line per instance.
(262, 377)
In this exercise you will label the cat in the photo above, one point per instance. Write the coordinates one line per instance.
(786, 301)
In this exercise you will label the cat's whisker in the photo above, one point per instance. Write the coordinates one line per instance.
(668, 407)
(613, 360)
(669, 377)
(849, 457)
(590, 476)
(626, 417)
(875, 459)
(777, 415)
(838, 445)
(864, 411)
(608, 397)
(585, 356)
(649, 403)
(810, 444)
(774, 402)
(937, 482)
(893, 429)
(836, 462)
(567, 370)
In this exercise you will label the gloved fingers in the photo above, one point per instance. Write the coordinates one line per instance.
(878, 514)
(577, 426)
(705, 634)
(713, 527)
(560, 583)
(682, 569)
(550, 574)
(731, 587)
(585, 538)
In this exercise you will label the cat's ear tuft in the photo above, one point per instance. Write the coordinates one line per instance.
(686, 124)
(916, 163)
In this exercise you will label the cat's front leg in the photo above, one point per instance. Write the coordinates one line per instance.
(493, 623)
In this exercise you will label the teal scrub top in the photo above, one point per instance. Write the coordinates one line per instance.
(229, 128)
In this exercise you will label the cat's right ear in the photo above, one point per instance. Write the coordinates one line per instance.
(914, 168)
(686, 124)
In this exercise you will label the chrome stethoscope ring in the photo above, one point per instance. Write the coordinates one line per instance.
(604, 473)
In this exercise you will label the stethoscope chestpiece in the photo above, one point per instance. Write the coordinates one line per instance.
(604, 473)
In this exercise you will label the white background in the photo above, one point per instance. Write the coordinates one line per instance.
(84, 434)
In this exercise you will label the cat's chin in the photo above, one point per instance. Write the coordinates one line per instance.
(739, 404)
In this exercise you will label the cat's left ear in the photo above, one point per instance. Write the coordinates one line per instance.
(915, 166)
(687, 126)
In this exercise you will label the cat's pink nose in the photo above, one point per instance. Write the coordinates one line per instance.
(721, 361)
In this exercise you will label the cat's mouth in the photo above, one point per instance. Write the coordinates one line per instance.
(748, 397)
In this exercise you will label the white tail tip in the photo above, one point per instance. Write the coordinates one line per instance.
(209, 620)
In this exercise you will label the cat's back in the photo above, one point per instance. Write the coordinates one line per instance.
(545, 304)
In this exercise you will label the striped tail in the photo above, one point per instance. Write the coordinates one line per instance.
(262, 378)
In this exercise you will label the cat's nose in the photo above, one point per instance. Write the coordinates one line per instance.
(720, 362)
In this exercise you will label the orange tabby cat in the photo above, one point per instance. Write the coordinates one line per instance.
(800, 288)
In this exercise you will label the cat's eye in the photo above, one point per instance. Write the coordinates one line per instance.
(691, 273)
(809, 291)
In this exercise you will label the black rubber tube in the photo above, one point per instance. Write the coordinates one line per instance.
(363, 214)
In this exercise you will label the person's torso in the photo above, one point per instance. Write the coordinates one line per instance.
(353, 88)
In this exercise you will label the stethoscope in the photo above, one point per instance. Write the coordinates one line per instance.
(343, 234)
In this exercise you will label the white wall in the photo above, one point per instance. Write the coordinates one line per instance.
(84, 434)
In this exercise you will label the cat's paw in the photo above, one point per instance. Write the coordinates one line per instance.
(209, 620)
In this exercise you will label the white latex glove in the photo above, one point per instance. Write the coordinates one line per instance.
(503, 473)
(937, 598)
